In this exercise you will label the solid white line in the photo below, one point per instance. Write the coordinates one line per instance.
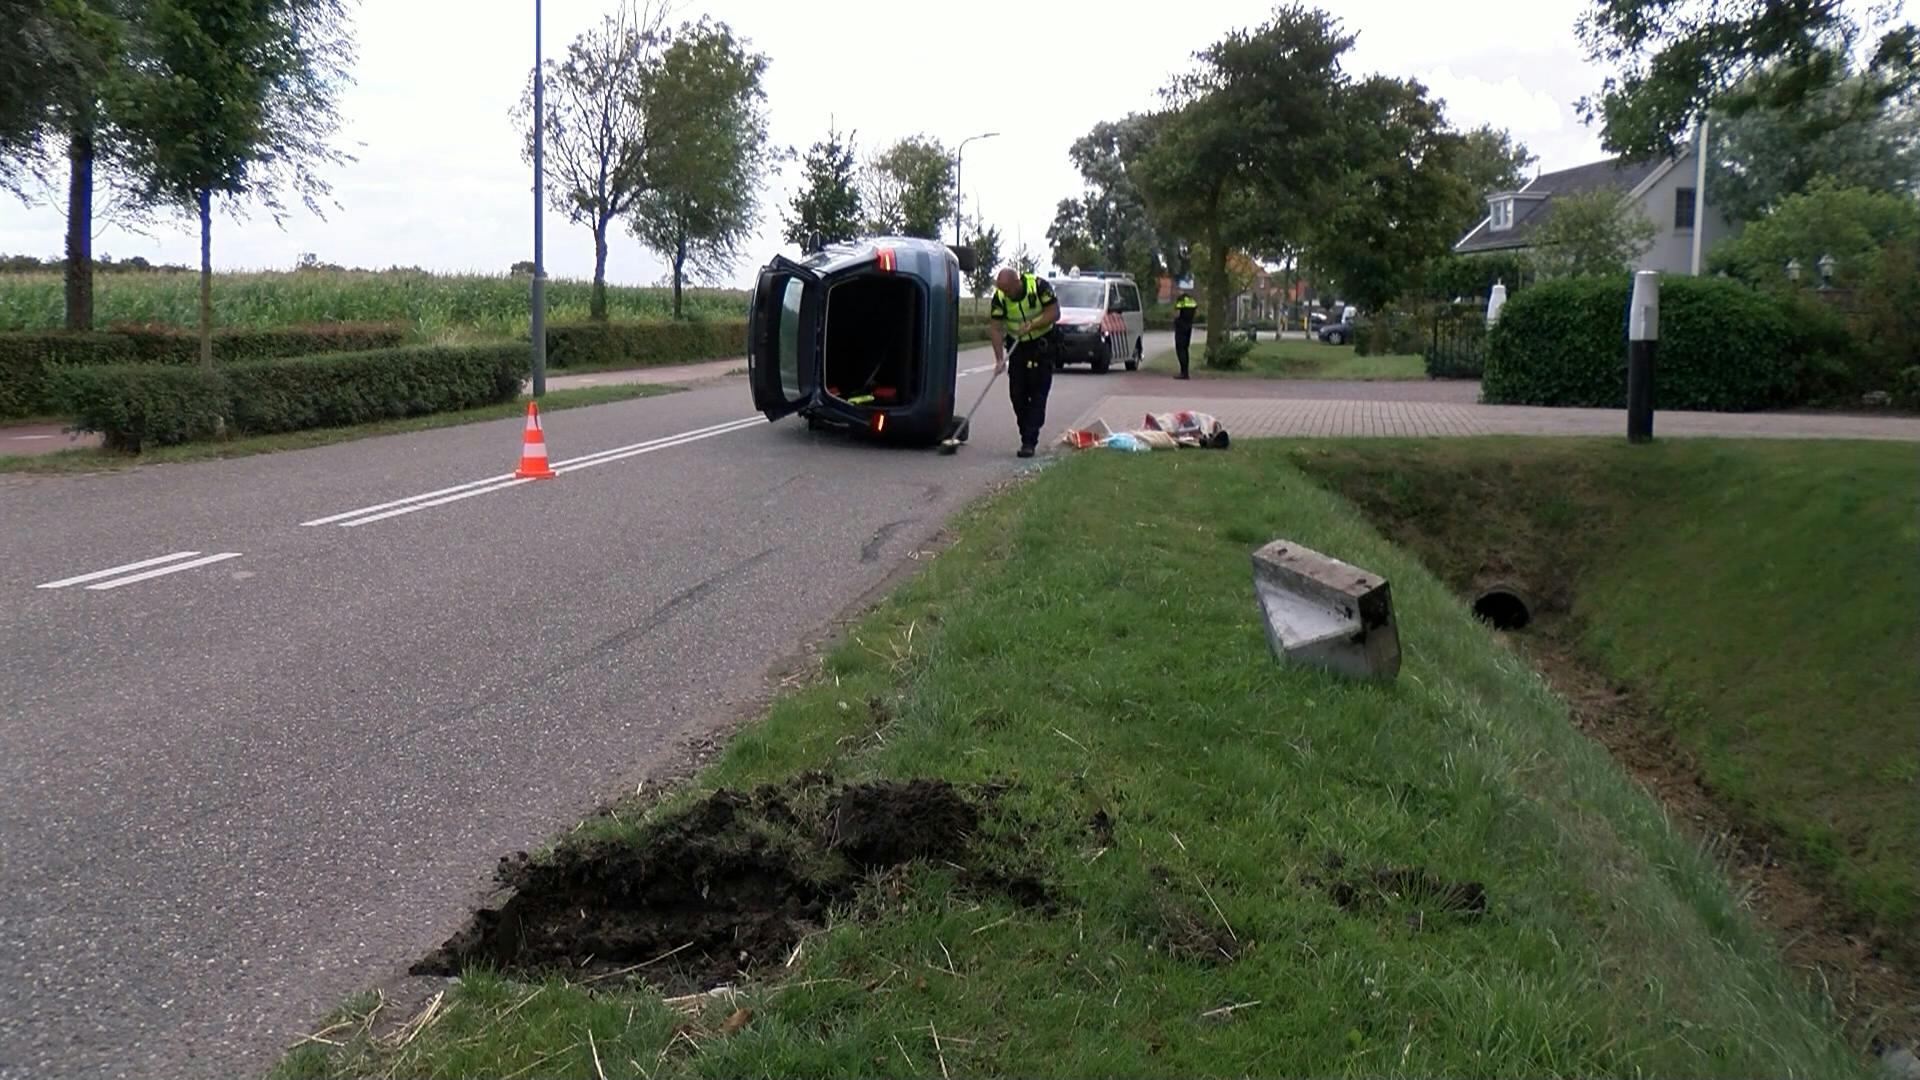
(30, 438)
(436, 502)
(405, 501)
(667, 444)
(165, 570)
(98, 574)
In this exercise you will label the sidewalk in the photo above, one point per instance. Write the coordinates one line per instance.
(28, 439)
(1291, 416)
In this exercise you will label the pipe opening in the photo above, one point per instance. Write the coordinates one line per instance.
(1504, 608)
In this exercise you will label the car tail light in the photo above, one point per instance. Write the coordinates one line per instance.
(886, 260)
(879, 422)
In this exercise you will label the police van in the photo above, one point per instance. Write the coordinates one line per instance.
(1101, 319)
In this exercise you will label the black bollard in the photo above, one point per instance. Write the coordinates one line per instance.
(1643, 330)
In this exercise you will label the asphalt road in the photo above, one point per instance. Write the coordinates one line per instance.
(268, 748)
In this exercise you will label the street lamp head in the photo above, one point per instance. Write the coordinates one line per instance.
(1827, 264)
(1793, 269)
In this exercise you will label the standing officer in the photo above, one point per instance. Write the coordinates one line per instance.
(1183, 310)
(1025, 308)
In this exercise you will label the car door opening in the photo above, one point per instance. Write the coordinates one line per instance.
(874, 340)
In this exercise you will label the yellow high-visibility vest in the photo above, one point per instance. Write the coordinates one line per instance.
(1019, 311)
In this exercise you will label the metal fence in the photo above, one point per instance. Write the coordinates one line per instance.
(1456, 341)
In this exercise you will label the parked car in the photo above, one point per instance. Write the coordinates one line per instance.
(1101, 319)
(861, 336)
(1336, 333)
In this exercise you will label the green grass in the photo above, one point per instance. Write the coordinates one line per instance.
(1763, 593)
(94, 459)
(1106, 657)
(1297, 359)
(451, 307)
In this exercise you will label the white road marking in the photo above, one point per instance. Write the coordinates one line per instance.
(30, 438)
(116, 571)
(176, 568)
(367, 515)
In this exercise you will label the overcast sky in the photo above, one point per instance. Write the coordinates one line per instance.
(439, 182)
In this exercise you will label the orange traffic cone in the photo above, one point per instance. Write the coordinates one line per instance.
(533, 449)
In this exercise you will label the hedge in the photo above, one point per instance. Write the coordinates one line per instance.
(26, 358)
(1722, 347)
(644, 344)
(140, 405)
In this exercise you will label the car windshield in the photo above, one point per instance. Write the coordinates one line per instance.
(1081, 294)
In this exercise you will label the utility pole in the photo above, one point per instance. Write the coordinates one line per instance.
(539, 205)
(1699, 194)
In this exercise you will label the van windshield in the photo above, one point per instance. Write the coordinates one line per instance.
(1081, 294)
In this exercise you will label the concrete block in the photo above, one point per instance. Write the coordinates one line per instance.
(1325, 613)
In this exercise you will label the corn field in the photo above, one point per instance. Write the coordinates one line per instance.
(438, 307)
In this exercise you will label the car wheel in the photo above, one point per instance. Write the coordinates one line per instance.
(1101, 365)
(1336, 338)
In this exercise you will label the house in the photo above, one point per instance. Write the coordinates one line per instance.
(1661, 189)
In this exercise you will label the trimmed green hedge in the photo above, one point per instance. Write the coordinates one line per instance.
(140, 405)
(26, 358)
(644, 344)
(1722, 347)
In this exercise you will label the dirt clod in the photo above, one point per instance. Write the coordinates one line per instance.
(725, 886)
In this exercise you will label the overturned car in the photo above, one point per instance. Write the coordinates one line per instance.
(861, 336)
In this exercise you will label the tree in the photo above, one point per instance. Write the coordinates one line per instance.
(1238, 158)
(1846, 132)
(1594, 232)
(986, 259)
(1067, 236)
(1678, 59)
(908, 189)
(1023, 259)
(1851, 224)
(706, 149)
(234, 98)
(53, 110)
(1398, 195)
(829, 204)
(595, 129)
(1488, 160)
(1116, 224)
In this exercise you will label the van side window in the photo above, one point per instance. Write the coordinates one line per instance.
(1129, 298)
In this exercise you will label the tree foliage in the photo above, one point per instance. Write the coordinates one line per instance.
(1237, 158)
(706, 151)
(1113, 223)
(1591, 233)
(1488, 160)
(985, 243)
(828, 203)
(1848, 132)
(1852, 224)
(595, 127)
(907, 189)
(1068, 237)
(1398, 194)
(1677, 59)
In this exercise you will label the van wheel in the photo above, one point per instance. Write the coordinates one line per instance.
(1101, 365)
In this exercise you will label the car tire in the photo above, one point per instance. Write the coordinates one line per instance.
(1134, 364)
(1101, 365)
(1336, 338)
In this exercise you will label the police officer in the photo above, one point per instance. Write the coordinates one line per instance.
(1024, 308)
(1183, 310)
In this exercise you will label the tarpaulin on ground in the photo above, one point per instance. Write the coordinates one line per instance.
(1162, 431)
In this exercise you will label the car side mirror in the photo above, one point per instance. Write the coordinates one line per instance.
(965, 257)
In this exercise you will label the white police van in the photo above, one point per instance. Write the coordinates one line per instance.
(1101, 319)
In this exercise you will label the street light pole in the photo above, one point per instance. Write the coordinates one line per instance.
(539, 200)
(957, 203)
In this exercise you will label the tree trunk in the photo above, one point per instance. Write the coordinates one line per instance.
(206, 278)
(1218, 332)
(679, 261)
(80, 231)
(597, 306)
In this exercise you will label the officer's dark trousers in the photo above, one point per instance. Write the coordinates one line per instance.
(1182, 340)
(1029, 378)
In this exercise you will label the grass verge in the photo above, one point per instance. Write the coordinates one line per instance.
(95, 459)
(1296, 359)
(1232, 849)
(1762, 593)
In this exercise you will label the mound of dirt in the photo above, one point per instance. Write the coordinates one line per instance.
(726, 886)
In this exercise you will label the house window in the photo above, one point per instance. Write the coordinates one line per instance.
(1683, 208)
(1502, 215)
